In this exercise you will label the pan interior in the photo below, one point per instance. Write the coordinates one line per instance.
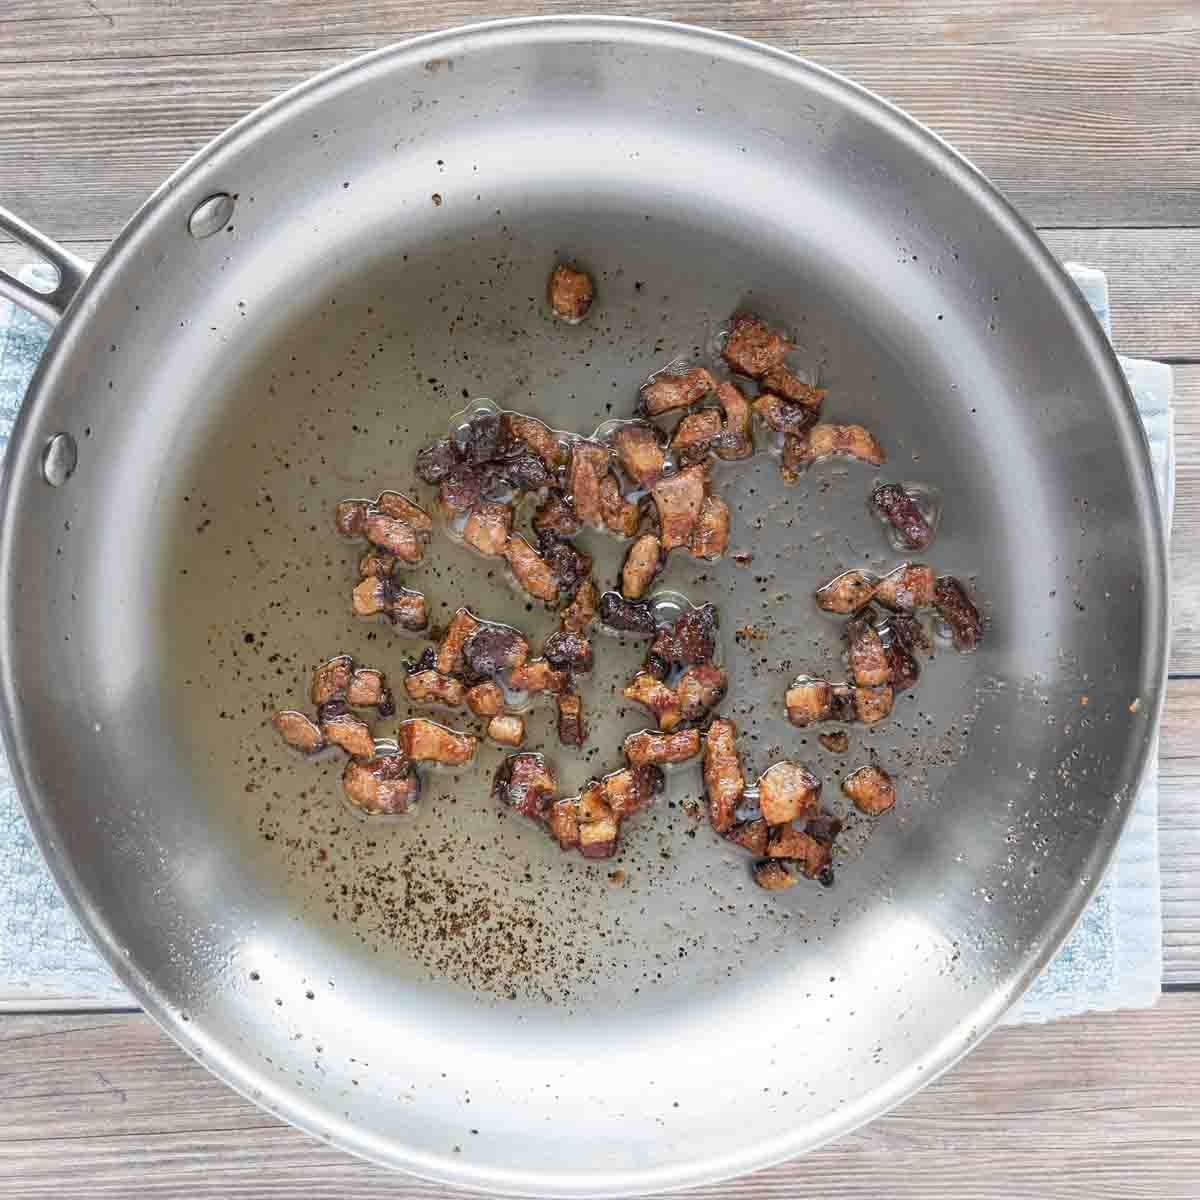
(440, 990)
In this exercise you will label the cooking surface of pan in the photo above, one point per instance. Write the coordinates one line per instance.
(446, 992)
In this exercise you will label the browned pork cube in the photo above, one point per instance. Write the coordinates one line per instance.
(576, 616)
(847, 593)
(488, 527)
(530, 569)
(571, 293)
(736, 439)
(710, 538)
(658, 749)
(437, 460)
(394, 504)
(401, 606)
(368, 689)
(492, 648)
(678, 499)
(350, 517)
(903, 665)
(752, 348)
(784, 416)
(556, 516)
(955, 608)
(526, 782)
(427, 741)
(537, 436)
(571, 731)
(788, 791)
(562, 820)
(774, 875)
(449, 653)
(750, 835)
(639, 453)
(620, 516)
(485, 699)
(631, 789)
(700, 688)
(871, 788)
(588, 465)
(723, 779)
(868, 658)
(642, 564)
(384, 785)
(669, 391)
(872, 704)
(432, 687)
(783, 383)
(898, 509)
(597, 823)
(809, 701)
(568, 652)
(376, 565)
(331, 680)
(343, 729)
(907, 588)
(627, 616)
(822, 441)
(650, 692)
(537, 675)
(693, 436)
(812, 857)
(507, 730)
(835, 743)
(299, 730)
(394, 536)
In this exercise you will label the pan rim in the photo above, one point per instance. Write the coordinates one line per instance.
(271, 1094)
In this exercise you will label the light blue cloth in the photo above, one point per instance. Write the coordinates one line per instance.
(1112, 960)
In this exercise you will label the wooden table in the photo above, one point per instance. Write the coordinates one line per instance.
(1088, 116)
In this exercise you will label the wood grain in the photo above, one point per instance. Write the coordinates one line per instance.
(107, 1107)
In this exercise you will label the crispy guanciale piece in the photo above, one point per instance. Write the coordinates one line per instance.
(400, 605)
(385, 784)
(785, 416)
(847, 593)
(425, 687)
(488, 527)
(843, 705)
(627, 616)
(872, 704)
(789, 386)
(507, 730)
(331, 680)
(376, 565)
(909, 630)
(773, 875)
(491, 648)
(835, 743)
(642, 563)
(462, 487)
(570, 292)
(525, 472)
(343, 729)
(723, 778)
(750, 835)
(788, 791)
(563, 822)
(449, 652)
(437, 460)
(427, 741)
(809, 701)
(620, 516)
(588, 465)
(869, 664)
(650, 692)
(486, 699)
(578, 615)
(568, 566)
(669, 391)
(395, 504)
(568, 652)
(736, 439)
(903, 664)
(479, 439)
(368, 689)
(907, 588)
(299, 730)
(871, 788)
(571, 731)
(654, 748)
(631, 789)
(812, 857)
(526, 782)
(537, 675)
(394, 536)
(350, 517)
(955, 608)
(693, 436)
(370, 596)
(556, 516)
(824, 440)
(530, 569)
(536, 435)
(700, 688)
(710, 538)
(899, 510)
(639, 453)
(692, 639)
(752, 348)
(678, 499)
(597, 823)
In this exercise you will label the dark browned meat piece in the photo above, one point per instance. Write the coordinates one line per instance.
(449, 653)
(785, 416)
(909, 631)
(394, 504)
(663, 701)
(407, 608)
(488, 527)
(812, 857)
(555, 516)
(627, 616)
(631, 789)
(530, 569)
(955, 608)
(581, 612)
(538, 437)
(835, 743)
(752, 348)
(781, 382)
(904, 667)
(822, 441)
(537, 675)
(843, 704)
(847, 593)
(432, 687)
(563, 822)
(350, 517)
(872, 704)
(597, 823)
(900, 511)
(299, 730)
(376, 565)
(331, 680)
(368, 689)
(526, 782)
(343, 729)
(750, 835)
(394, 536)
(724, 782)
(571, 293)
(463, 487)
(571, 730)
(694, 636)
(736, 440)
(788, 791)
(710, 538)
(678, 499)
(525, 472)
(669, 391)
(642, 563)
(507, 730)
(427, 741)
(568, 565)
(871, 788)
(824, 827)
(907, 588)
(491, 648)
(809, 701)
(486, 699)
(774, 875)
(700, 688)
(587, 466)
(693, 436)
(437, 460)
(640, 454)
(479, 439)
(568, 652)
(620, 516)
(385, 784)
(657, 749)
(868, 657)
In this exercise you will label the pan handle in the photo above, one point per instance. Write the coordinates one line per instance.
(72, 271)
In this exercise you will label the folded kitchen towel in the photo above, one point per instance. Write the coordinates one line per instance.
(1113, 959)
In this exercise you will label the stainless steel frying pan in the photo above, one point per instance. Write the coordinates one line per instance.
(447, 993)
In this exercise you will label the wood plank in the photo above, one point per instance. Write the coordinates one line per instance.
(1079, 131)
(1185, 536)
(1106, 1106)
(1179, 832)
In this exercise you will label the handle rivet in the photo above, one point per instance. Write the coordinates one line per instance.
(59, 459)
(211, 215)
